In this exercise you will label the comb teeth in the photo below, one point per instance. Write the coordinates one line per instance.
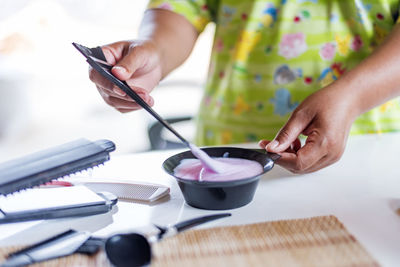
(137, 192)
(32, 185)
(96, 52)
(128, 191)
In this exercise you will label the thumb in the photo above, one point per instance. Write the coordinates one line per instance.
(133, 61)
(111, 59)
(125, 58)
(289, 132)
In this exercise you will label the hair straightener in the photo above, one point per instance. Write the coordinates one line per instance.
(53, 163)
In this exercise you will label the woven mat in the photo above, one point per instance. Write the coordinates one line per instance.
(317, 241)
(100, 259)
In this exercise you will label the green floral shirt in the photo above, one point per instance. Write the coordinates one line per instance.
(270, 55)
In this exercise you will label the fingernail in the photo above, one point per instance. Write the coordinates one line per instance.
(274, 144)
(119, 92)
(261, 143)
(120, 69)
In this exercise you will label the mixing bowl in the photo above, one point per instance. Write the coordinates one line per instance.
(226, 194)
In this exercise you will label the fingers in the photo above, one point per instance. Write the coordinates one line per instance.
(115, 51)
(314, 155)
(289, 161)
(110, 56)
(98, 79)
(137, 84)
(127, 64)
(124, 103)
(297, 159)
(102, 82)
(296, 163)
(134, 60)
(311, 153)
(326, 121)
(136, 63)
(113, 93)
(290, 131)
(294, 147)
(263, 143)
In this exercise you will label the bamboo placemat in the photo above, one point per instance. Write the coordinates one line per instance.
(317, 241)
(100, 259)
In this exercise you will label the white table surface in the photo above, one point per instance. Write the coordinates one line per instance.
(362, 190)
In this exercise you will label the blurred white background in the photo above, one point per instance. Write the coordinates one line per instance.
(46, 97)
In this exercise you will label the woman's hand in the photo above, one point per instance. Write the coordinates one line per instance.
(142, 64)
(137, 63)
(325, 117)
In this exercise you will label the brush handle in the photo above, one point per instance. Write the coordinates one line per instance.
(182, 226)
(132, 94)
(95, 57)
(197, 221)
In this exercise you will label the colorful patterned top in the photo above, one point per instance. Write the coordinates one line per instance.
(270, 55)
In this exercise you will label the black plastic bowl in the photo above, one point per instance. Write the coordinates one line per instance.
(221, 195)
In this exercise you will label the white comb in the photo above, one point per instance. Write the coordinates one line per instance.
(124, 190)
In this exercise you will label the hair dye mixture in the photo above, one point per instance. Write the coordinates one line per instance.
(229, 169)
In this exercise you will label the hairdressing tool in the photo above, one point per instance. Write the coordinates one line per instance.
(46, 165)
(95, 57)
(134, 249)
(125, 190)
(52, 203)
(122, 249)
(61, 245)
